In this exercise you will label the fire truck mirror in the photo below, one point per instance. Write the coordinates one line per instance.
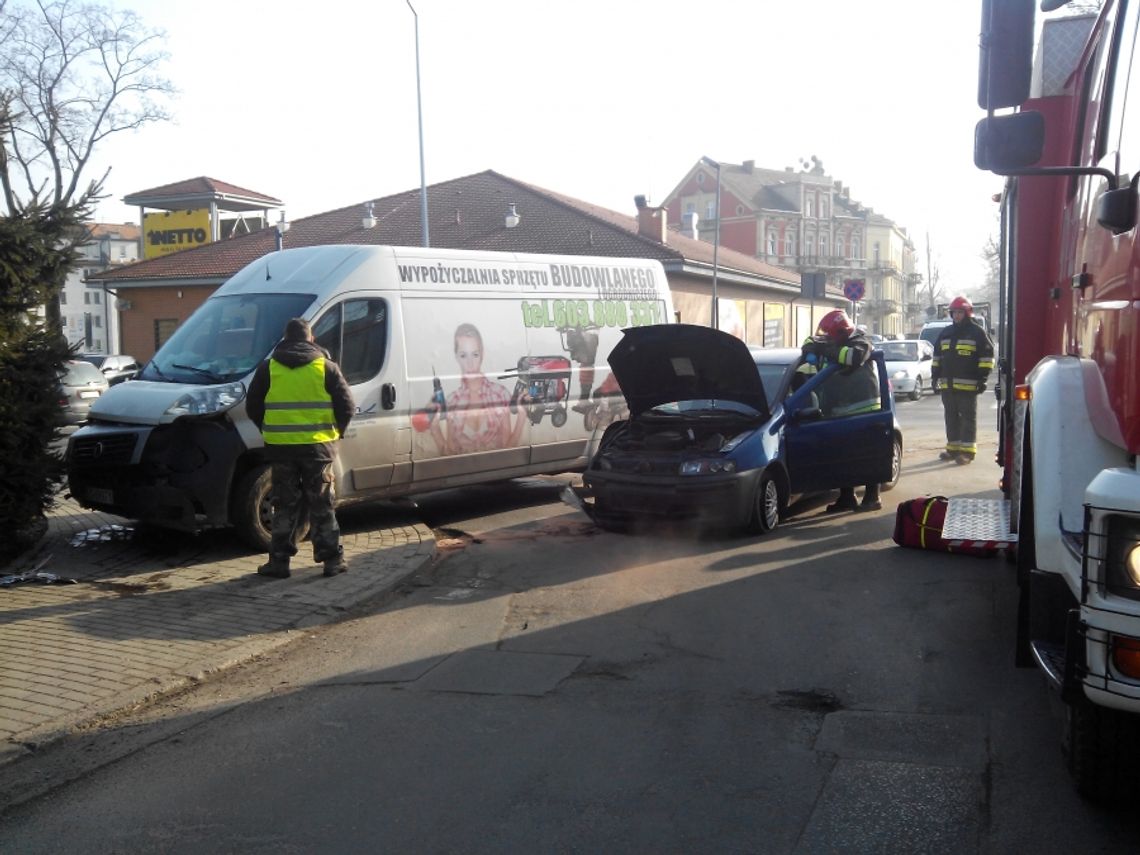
(1116, 209)
(1009, 142)
(1006, 53)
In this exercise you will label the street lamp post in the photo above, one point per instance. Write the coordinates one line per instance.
(420, 112)
(716, 243)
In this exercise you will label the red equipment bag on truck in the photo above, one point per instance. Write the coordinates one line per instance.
(918, 525)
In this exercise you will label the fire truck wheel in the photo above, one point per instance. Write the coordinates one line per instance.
(1101, 745)
(251, 509)
(558, 417)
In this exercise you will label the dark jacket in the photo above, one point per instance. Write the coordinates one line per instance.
(293, 354)
(963, 357)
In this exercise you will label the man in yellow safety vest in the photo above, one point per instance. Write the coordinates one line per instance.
(302, 404)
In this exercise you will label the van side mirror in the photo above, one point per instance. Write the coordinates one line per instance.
(1006, 60)
(1008, 142)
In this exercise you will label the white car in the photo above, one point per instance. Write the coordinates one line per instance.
(908, 365)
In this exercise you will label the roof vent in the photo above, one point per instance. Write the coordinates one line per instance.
(368, 221)
(513, 217)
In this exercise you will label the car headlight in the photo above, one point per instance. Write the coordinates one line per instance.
(1122, 556)
(707, 467)
(207, 400)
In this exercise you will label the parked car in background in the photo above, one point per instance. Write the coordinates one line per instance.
(932, 329)
(80, 384)
(908, 366)
(716, 433)
(116, 367)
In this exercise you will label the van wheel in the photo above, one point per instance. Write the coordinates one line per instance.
(1101, 745)
(766, 506)
(251, 509)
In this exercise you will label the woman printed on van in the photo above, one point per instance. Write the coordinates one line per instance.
(478, 413)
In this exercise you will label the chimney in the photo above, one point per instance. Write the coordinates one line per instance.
(749, 165)
(689, 225)
(650, 221)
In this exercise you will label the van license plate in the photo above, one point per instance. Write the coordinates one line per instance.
(88, 394)
(101, 495)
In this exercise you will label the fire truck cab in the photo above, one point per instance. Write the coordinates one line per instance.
(1063, 124)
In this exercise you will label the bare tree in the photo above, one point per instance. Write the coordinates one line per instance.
(930, 289)
(74, 74)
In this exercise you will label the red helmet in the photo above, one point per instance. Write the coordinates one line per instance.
(964, 304)
(835, 325)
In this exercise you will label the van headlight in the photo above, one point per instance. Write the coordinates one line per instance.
(1122, 556)
(207, 400)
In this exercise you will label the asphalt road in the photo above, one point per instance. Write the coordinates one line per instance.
(552, 687)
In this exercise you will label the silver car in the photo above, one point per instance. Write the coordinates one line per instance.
(116, 367)
(80, 384)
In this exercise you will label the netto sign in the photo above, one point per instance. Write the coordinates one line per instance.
(165, 232)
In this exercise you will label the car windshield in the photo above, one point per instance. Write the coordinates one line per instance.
(900, 351)
(772, 376)
(704, 407)
(225, 339)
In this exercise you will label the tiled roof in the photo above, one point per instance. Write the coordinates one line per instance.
(118, 231)
(198, 191)
(465, 213)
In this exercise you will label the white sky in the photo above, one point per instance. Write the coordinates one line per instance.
(602, 100)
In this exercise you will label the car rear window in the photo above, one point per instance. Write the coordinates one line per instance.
(79, 373)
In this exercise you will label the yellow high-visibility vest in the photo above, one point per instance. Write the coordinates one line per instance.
(298, 409)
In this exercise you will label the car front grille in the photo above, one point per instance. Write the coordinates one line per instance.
(109, 449)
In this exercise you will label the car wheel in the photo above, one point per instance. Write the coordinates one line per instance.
(766, 506)
(251, 509)
(896, 465)
(917, 393)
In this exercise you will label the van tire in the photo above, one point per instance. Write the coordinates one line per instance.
(251, 509)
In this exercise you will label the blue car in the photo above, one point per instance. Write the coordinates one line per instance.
(721, 433)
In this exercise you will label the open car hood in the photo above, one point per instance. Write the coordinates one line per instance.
(663, 363)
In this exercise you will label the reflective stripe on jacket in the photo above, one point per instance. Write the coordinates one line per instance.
(298, 408)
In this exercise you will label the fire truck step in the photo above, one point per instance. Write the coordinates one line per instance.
(978, 522)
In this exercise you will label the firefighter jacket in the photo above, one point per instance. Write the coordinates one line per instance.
(963, 358)
(855, 389)
(300, 401)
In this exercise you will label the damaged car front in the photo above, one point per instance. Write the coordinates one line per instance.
(701, 442)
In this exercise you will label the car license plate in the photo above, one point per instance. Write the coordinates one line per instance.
(91, 394)
(101, 495)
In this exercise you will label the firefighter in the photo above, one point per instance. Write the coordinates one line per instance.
(963, 359)
(837, 341)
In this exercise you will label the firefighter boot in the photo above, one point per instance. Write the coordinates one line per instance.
(871, 499)
(845, 502)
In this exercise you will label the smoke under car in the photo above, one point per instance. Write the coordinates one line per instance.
(718, 435)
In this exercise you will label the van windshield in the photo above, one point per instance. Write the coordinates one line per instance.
(225, 339)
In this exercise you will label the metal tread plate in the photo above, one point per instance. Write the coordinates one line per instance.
(977, 522)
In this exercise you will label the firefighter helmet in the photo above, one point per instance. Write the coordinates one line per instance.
(836, 326)
(964, 304)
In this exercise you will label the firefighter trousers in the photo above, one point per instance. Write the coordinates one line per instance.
(961, 412)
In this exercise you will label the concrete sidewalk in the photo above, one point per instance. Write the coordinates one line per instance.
(149, 615)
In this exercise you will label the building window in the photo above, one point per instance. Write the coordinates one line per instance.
(690, 208)
(809, 246)
(840, 247)
(98, 297)
(63, 297)
(790, 242)
(710, 209)
(823, 208)
(87, 298)
(771, 240)
(122, 250)
(856, 249)
(808, 206)
(700, 178)
(98, 321)
(876, 253)
(823, 246)
(163, 329)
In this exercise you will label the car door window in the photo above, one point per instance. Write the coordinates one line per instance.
(355, 333)
(846, 394)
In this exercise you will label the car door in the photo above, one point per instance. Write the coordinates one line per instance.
(836, 445)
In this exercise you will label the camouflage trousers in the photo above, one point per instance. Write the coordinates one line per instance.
(304, 488)
(960, 409)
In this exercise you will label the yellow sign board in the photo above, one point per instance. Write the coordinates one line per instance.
(165, 232)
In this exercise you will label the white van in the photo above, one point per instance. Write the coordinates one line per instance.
(175, 448)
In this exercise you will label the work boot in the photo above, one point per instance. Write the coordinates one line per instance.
(963, 459)
(948, 455)
(845, 502)
(335, 566)
(275, 568)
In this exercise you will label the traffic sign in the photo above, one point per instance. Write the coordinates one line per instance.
(854, 289)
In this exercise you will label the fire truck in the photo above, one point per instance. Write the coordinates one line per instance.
(1062, 124)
